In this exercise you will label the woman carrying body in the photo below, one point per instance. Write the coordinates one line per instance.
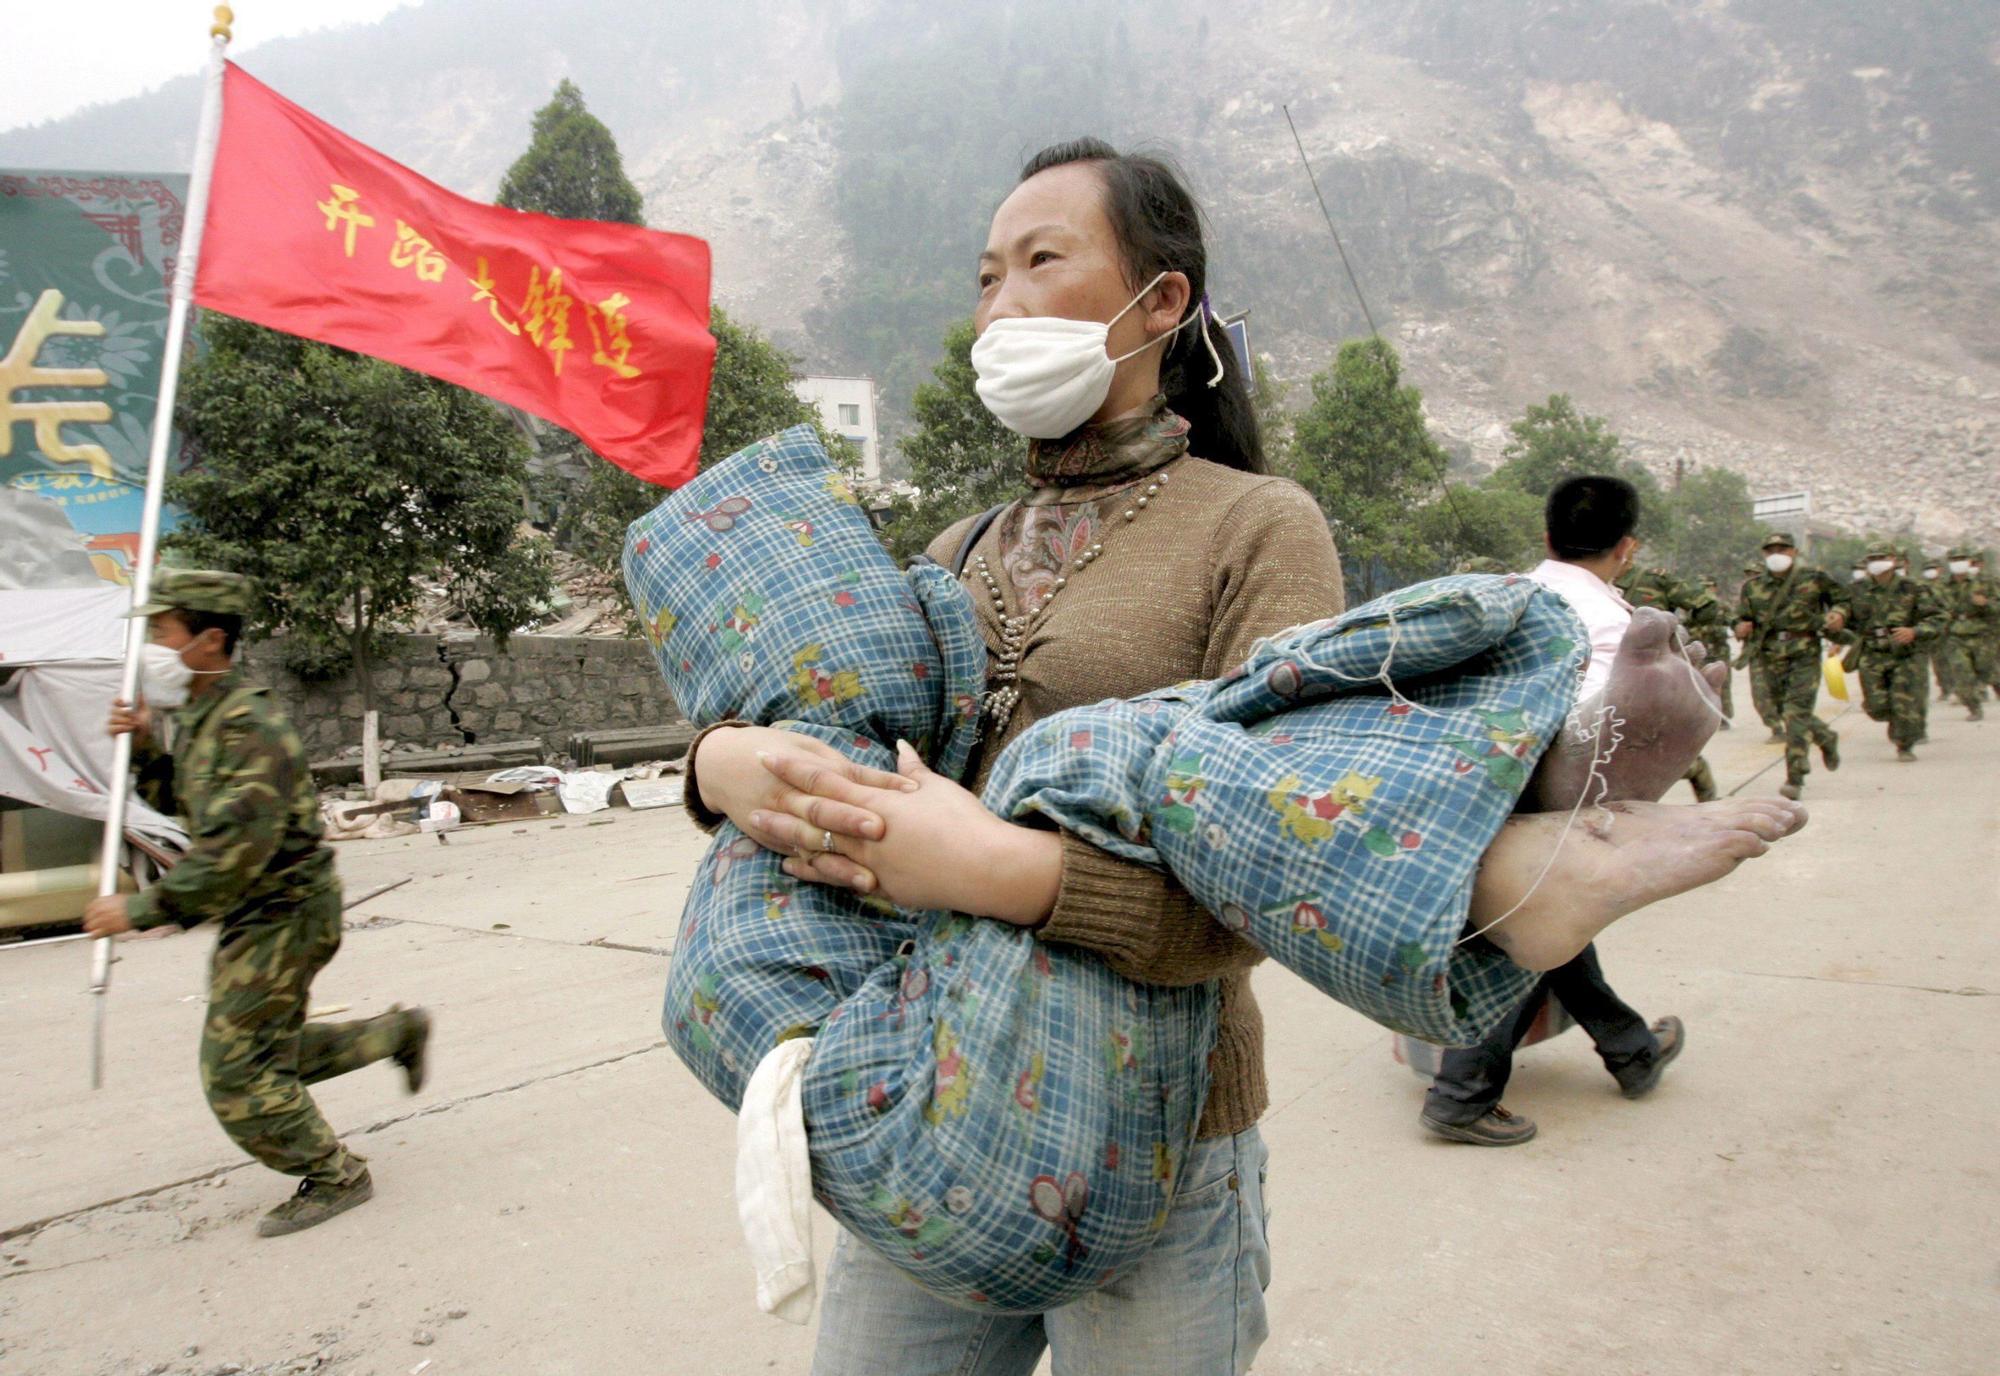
(1152, 549)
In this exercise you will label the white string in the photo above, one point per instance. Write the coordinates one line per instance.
(1609, 723)
(1607, 720)
(1604, 734)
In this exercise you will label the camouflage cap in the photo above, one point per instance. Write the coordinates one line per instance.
(1881, 549)
(197, 590)
(1962, 552)
(1779, 537)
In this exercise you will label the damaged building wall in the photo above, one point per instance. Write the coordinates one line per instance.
(460, 689)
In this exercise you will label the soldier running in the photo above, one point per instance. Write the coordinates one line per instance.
(1784, 612)
(1894, 617)
(1972, 610)
(239, 779)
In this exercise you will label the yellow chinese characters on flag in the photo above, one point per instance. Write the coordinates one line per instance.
(600, 328)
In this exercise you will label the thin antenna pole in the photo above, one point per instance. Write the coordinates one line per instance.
(208, 131)
(1352, 280)
(1444, 485)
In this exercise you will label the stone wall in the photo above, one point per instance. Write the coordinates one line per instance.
(459, 689)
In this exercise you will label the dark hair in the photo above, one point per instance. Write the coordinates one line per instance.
(1158, 226)
(228, 623)
(1588, 515)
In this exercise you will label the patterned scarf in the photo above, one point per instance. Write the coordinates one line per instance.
(1077, 481)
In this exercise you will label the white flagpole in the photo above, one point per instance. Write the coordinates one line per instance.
(207, 133)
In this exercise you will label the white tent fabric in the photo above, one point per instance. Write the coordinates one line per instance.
(62, 625)
(65, 646)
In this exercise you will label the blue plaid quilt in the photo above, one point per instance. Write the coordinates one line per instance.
(1002, 1118)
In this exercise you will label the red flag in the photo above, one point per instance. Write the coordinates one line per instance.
(601, 328)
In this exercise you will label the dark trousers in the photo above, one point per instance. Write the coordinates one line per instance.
(1470, 1080)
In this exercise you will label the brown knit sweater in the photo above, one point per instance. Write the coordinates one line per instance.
(1220, 560)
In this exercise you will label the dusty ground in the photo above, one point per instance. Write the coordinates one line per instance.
(1812, 1189)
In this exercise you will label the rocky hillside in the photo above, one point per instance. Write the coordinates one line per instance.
(1759, 233)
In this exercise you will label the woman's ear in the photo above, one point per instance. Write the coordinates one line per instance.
(1166, 303)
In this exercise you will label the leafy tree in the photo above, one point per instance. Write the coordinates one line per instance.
(572, 167)
(960, 459)
(1554, 441)
(749, 397)
(337, 481)
(1361, 447)
(1710, 530)
(1274, 422)
(1491, 521)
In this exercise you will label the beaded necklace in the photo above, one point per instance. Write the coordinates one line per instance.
(1003, 692)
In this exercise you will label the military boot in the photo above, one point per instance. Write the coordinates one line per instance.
(412, 1051)
(315, 1203)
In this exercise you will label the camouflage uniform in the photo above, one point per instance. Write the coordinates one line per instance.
(1786, 615)
(1894, 680)
(1760, 686)
(1968, 654)
(1698, 610)
(1934, 654)
(256, 866)
(1714, 638)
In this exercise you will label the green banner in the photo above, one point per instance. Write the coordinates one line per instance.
(85, 259)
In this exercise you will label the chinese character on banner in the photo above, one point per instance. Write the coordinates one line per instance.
(413, 250)
(617, 357)
(547, 308)
(482, 284)
(342, 208)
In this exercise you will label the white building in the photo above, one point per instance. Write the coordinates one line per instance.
(847, 407)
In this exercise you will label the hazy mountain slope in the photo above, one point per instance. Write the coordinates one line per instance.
(1759, 232)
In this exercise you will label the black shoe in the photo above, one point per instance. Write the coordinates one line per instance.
(1829, 753)
(1498, 1128)
(411, 1054)
(1635, 1081)
(315, 1204)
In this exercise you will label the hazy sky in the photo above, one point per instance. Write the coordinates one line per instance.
(60, 55)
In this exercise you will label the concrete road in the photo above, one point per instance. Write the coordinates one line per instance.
(1812, 1189)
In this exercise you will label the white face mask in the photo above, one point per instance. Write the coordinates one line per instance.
(1858, 576)
(1777, 563)
(1042, 376)
(1878, 567)
(1930, 574)
(1961, 567)
(165, 675)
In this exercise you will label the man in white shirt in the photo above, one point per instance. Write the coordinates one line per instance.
(1589, 522)
(1582, 513)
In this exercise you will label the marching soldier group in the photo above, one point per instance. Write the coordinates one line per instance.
(1897, 631)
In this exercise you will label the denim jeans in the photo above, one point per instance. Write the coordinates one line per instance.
(1194, 1304)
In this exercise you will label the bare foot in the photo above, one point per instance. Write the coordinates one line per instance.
(1616, 859)
(1644, 728)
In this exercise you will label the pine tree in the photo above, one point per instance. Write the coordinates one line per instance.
(572, 168)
